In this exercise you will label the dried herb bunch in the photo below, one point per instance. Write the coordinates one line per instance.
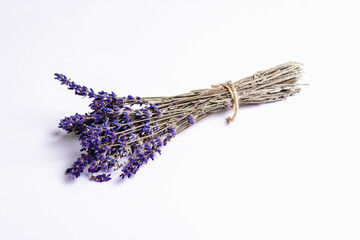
(123, 133)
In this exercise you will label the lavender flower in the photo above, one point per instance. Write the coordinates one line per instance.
(123, 133)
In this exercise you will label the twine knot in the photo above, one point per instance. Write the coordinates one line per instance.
(234, 95)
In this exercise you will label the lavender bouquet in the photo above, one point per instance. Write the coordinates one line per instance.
(123, 133)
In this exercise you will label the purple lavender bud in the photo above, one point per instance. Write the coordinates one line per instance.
(62, 78)
(101, 178)
(157, 142)
(83, 90)
(91, 93)
(172, 131)
(190, 119)
(138, 100)
(78, 166)
(116, 110)
(227, 105)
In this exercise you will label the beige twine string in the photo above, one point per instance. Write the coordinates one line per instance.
(234, 95)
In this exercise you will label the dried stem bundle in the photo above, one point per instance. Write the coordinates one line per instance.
(272, 85)
(115, 129)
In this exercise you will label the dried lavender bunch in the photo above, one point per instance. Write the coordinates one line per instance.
(123, 133)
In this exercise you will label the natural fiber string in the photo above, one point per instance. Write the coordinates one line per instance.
(234, 95)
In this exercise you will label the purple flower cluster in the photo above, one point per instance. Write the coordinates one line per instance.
(115, 135)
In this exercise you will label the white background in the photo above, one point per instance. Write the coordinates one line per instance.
(287, 170)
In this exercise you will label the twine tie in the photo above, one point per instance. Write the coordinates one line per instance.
(234, 95)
